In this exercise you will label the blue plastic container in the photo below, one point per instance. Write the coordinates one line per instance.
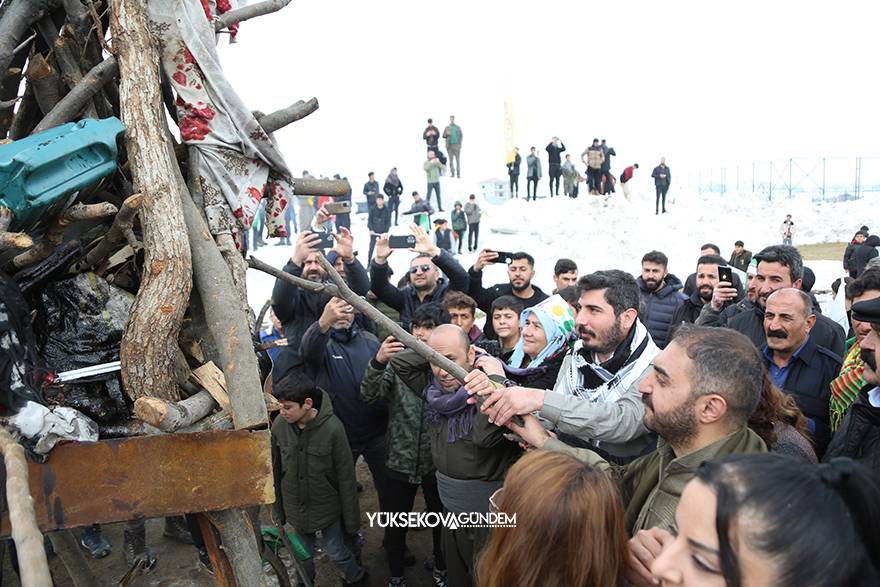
(41, 173)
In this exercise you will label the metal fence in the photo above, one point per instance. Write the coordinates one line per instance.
(824, 179)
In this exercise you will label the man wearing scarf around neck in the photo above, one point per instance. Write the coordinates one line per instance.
(471, 454)
(595, 402)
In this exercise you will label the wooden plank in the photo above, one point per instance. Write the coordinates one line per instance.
(172, 474)
(223, 575)
(211, 378)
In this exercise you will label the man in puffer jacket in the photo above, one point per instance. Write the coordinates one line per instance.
(661, 296)
(865, 252)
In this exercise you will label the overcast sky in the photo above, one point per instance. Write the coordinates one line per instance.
(703, 83)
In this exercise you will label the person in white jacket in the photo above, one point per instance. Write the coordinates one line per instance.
(595, 402)
(787, 230)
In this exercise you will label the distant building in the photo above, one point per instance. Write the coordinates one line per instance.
(495, 190)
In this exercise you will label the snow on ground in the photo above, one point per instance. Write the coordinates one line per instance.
(606, 233)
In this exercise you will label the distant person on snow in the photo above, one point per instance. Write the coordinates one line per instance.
(472, 212)
(513, 172)
(393, 189)
(625, 178)
(533, 174)
(740, 258)
(607, 178)
(431, 136)
(371, 190)
(787, 230)
(662, 178)
(849, 264)
(569, 177)
(432, 171)
(453, 135)
(554, 163)
(864, 252)
(594, 157)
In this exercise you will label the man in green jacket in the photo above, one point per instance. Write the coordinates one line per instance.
(408, 443)
(432, 171)
(315, 486)
(453, 135)
(698, 398)
(470, 453)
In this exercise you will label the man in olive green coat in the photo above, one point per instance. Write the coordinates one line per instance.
(698, 397)
(315, 486)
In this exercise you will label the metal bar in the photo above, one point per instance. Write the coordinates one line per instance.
(87, 371)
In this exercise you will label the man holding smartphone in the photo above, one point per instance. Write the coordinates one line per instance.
(710, 270)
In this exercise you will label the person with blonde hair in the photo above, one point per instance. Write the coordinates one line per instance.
(569, 527)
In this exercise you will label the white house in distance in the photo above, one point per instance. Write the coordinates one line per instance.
(495, 190)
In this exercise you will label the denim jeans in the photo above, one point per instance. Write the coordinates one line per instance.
(341, 549)
(435, 187)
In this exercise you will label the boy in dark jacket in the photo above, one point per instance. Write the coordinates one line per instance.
(459, 224)
(315, 484)
(378, 222)
(443, 235)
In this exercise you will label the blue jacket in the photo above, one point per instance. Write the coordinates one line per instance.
(658, 181)
(337, 361)
(660, 306)
(809, 381)
(271, 336)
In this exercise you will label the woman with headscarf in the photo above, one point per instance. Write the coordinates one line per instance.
(545, 340)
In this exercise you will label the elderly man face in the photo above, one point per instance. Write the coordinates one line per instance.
(451, 342)
(788, 319)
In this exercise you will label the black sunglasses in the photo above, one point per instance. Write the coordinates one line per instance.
(415, 268)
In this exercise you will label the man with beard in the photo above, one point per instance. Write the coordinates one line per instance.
(690, 284)
(706, 278)
(661, 295)
(795, 363)
(859, 435)
(425, 283)
(296, 308)
(698, 398)
(779, 266)
(520, 272)
(470, 453)
(595, 401)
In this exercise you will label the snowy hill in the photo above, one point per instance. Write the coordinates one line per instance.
(605, 233)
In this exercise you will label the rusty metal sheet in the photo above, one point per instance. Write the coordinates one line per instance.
(112, 480)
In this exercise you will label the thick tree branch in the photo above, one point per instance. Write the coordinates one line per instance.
(45, 81)
(248, 12)
(73, 103)
(122, 225)
(303, 186)
(55, 234)
(281, 118)
(16, 24)
(172, 416)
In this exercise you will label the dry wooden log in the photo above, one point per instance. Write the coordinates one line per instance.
(248, 12)
(239, 540)
(32, 562)
(55, 234)
(171, 416)
(72, 104)
(9, 85)
(16, 23)
(307, 186)
(120, 232)
(45, 81)
(149, 343)
(26, 116)
(210, 378)
(15, 240)
(281, 118)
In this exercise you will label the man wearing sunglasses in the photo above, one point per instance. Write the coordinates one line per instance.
(425, 281)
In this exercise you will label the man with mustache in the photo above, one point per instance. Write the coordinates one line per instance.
(859, 435)
(595, 401)
(296, 308)
(779, 266)
(795, 363)
(706, 277)
(520, 272)
(661, 295)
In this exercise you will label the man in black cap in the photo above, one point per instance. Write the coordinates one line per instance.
(859, 435)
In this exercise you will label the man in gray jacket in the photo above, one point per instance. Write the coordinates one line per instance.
(595, 402)
(533, 174)
(473, 212)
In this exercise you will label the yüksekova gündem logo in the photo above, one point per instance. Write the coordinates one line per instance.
(447, 519)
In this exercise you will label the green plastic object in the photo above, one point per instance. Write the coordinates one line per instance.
(273, 540)
(41, 173)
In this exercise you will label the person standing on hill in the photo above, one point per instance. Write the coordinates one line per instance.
(787, 230)
(594, 157)
(472, 212)
(393, 189)
(569, 177)
(513, 172)
(533, 174)
(431, 136)
(625, 178)
(662, 178)
(453, 135)
(432, 170)
(459, 224)
(371, 190)
(606, 167)
(554, 163)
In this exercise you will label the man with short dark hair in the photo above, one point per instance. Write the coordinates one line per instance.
(378, 222)
(787, 230)
(472, 212)
(426, 284)
(607, 178)
(554, 163)
(660, 294)
(595, 401)
(594, 157)
(533, 174)
(706, 278)
(795, 363)
(432, 171)
(779, 266)
(462, 312)
(513, 172)
(520, 272)
(662, 178)
(740, 257)
(371, 190)
(690, 284)
(565, 274)
(453, 135)
(504, 318)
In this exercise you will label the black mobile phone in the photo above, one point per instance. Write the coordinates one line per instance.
(725, 274)
(503, 257)
(338, 207)
(326, 241)
(402, 241)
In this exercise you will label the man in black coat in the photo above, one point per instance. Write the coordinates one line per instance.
(796, 364)
(554, 163)
(520, 272)
(706, 277)
(296, 308)
(378, 222)
(864, 253)
(425, 283)
(859, 435)
(660, 292)
(513, 172)
(741, 257)
(779, 266)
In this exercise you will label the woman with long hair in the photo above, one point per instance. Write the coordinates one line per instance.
(763, 519)
(569, 529)
(781, 424)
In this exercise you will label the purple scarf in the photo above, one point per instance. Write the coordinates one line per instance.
(454, 407)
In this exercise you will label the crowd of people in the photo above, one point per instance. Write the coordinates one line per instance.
(626, 421)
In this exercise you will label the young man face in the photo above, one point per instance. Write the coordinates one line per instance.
(462, 317)
(423, 331)
(653, 275)
(707, 277)
(505, 322)
(423, 274)
(600, 330)
(293, 412)
(667, 394)
(738, 249)
(520, 274)
(566, 279)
